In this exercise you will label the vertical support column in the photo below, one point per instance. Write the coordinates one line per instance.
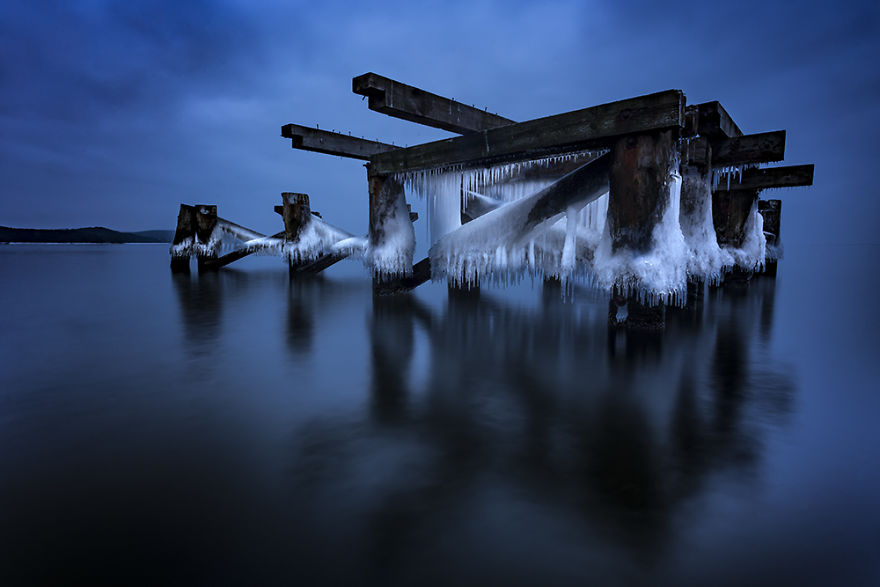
(638, 183)
(392, 238)
(207, 247)
(695, 213)
(184, 238)
(638, 198)
(730, 212)
(771, 210)
(297, 213)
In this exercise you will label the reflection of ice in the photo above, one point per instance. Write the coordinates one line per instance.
(625, 431)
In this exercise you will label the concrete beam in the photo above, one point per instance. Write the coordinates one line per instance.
(594, 127)
(410, 103)
(332, 143)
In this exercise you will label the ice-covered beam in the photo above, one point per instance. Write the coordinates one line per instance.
(240, 232)
(333, 143)
(765, 147)
(410, 103)
(519, 218)
(771, 177)
(594, 127)
(237, 254)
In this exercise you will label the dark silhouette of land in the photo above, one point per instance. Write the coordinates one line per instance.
(94, 234)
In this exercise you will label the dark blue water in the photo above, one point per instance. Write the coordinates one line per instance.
(240, 429)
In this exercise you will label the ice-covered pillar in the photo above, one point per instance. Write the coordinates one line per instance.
(730, 213)
(207, 245)
(771, 210)
(297, 213)
(392, 238)
(184, 237)
(695, 212)
(639, 188)
(639, 195)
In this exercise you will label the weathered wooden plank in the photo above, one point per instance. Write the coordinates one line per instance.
(399, 100)
(333, 143)
(764, 147)
(587, 128)
(771, 177)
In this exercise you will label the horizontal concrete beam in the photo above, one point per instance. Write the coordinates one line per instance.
(765, 147)
(712, 121)
(771, 177)
(410, 103)
(581, 129)
(333, 143)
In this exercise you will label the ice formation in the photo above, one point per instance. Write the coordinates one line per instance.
(656, 276)
(389, 252)
(316, 238)
(504, 244)
(706, 260)
(191, 245)
(751, 255)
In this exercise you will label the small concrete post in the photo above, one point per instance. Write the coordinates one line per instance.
(207, 249)
(771, 210)
(730, 212)
(297, 213)
(387, 204)
(184, 236)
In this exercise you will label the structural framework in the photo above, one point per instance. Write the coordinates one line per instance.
(647, 198)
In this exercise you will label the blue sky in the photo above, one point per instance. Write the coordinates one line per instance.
(112, 113)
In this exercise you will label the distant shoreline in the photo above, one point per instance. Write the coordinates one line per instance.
(95, 235)
(4, 243)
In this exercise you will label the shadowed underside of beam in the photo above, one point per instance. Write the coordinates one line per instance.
(593, 127)
(410, 103)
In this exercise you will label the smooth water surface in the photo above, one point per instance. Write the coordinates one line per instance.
(238, 428)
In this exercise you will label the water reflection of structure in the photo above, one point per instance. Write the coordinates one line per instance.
(621, 429)
(484, 405)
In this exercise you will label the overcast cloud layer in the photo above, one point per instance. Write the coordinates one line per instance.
(112, 113)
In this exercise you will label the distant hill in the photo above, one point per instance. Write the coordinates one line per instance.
(95, 234)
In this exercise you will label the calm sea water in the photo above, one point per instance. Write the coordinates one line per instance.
(241, 429)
